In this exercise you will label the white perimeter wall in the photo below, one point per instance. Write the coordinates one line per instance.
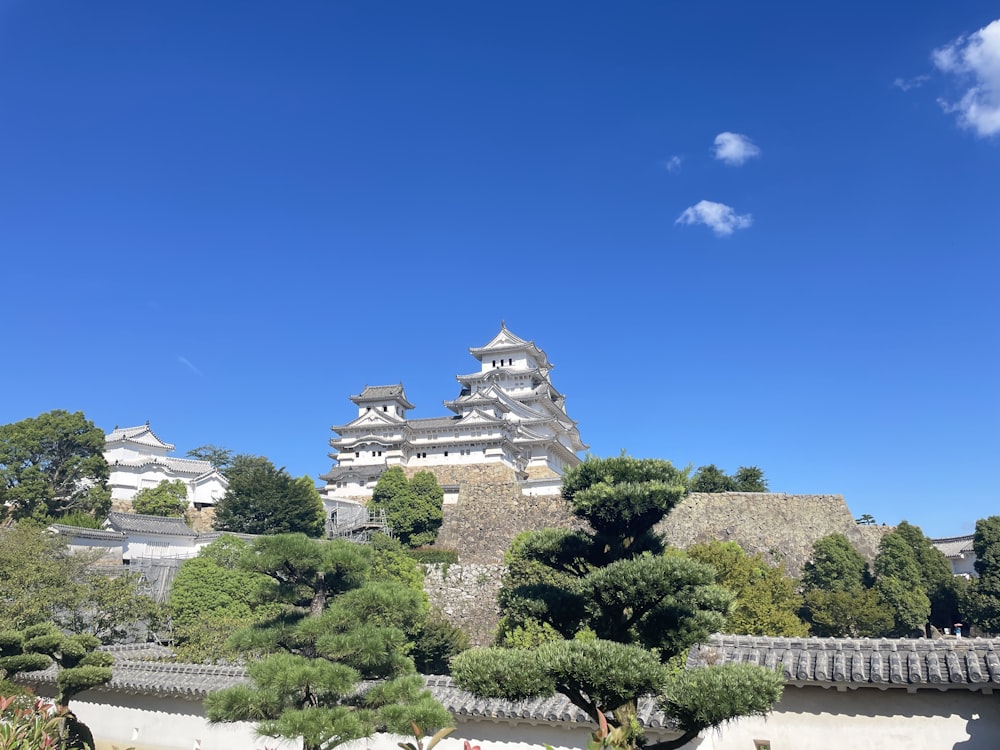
(892, 719)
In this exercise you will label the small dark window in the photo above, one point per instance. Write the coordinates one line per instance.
(357, 454)
(446, 453)
(385, 408)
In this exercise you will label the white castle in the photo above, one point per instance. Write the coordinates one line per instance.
(507, 413)
(138, 460)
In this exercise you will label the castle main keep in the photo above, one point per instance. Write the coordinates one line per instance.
(508, 423)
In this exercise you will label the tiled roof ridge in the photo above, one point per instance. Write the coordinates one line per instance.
(969, 663)
(960, 538)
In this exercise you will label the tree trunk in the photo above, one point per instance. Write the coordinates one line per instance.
(319, 595)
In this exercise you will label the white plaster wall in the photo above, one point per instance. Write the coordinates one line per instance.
(964, 565)
(826, 719)
(160, 546)
(152, 723)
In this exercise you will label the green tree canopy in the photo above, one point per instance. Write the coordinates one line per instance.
(767, 602)
(983, 601)
(220, 458)
(42, 582)
(412, 506)
(338, 626)
(263, 499)
(837, 589)
(621, 608)
(711, 478)
(165, 499)
(51, 465)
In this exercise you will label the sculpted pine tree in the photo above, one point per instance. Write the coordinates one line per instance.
(339, 627)
(622, 610)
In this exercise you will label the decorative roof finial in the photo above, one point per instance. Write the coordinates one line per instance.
(503, 324)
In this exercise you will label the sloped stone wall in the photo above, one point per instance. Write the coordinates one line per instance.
(467, 595)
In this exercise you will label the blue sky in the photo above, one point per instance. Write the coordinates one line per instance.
(744, 235)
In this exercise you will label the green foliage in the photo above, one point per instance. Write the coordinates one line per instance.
(703, 698)
(713, 479)
(944, 590)
(211, 598)
(434, 556)
(899, 582)
(27, 723)
(838, 593)
(436, 643)
(167, 499)
(347, 614)
(412, 506)
(220, 458)
(113, 608)
(983, 600)
(624, 611)
(767, 602)
(80, 667)
(51, 465)
(80, 519)
(263, 499)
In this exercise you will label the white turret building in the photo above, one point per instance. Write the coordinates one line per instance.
(507, 413)
(138, 459)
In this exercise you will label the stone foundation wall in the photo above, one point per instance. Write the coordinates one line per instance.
(467, 595)
(471, 473)
(781, 527)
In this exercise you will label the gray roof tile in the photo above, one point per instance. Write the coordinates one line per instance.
(960, 663)
(136, 523)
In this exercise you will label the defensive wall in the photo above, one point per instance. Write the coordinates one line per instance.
(489, 510)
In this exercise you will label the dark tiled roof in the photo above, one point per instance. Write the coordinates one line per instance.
(954, 546)
(195, 681)
(79, 532)
(136, 523)
(381, 393)
(946, 663)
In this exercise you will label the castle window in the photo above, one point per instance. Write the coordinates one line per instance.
(510, 361)
(494, 363)
(446, 453)
(357, 454)
(373, 454)
(385, 408)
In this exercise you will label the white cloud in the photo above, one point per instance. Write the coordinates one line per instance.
(673, 164)
(976, 58)
(910, 83)
(734, 149)
(722, 219)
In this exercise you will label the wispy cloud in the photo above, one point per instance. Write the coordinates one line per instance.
(975, 58)
(188, 364)
(722, 219)
(673, 164)
(910, 83)
(734, 148)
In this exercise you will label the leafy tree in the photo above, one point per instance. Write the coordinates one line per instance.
(623, 611)
(766, 599)
(220, 458)
(750, 479)
(412, 507)
(42, 582)
(838, 594)
(38, 576)
(713, 479)
(899, 583)
(165, 499)
(263, 499)
(866, 519)
(51, 465)
(338, 626)
(211, 597)
(906, 553)
(983, 601)
(436, 643)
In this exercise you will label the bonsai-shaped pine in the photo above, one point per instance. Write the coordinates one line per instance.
(80, 667)
(339, 626)
(625, 613)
